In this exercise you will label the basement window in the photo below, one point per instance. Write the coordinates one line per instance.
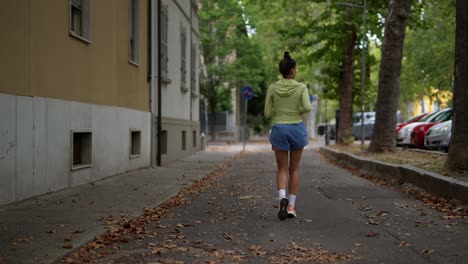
(163, 142)
(135, 143)
(194, 137)
(184, 140)
(81, 151)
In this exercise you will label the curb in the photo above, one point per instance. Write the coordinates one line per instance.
(433, 183)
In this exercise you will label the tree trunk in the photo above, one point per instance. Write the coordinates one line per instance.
(345, 122)
(383, 138)
(458, 155)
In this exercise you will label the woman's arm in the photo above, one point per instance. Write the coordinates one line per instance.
(268, 111)
(305, 101)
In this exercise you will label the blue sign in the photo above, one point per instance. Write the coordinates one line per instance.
(311, 98)
(247, 92)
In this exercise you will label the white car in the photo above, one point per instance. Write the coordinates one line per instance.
(404, 135)
(438, 136)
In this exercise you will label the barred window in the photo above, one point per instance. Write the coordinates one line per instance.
(164, 19)
(193, 69)
(183, 58)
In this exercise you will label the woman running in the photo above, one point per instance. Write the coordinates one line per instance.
(286, 101)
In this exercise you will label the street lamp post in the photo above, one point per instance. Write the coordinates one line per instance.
(363, 59)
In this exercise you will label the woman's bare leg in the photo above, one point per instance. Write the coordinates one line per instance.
(282, 164)
(295, 159)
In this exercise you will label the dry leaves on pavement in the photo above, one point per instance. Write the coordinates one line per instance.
(122, 230)
(451, 209)
(300, 254)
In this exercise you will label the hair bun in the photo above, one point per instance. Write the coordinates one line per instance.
(286, 55)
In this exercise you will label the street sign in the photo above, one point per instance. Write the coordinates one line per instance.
(247, 92)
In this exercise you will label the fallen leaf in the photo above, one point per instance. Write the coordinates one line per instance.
(382, 213)
(372, 234)
(255, 248)
(404, 244)
(67, 246)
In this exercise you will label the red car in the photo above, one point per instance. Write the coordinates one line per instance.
(411, 120)
(419, 132)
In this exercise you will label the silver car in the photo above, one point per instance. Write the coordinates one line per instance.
(369, 120)
(438, 136)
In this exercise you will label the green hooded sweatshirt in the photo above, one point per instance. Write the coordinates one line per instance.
(286, 101)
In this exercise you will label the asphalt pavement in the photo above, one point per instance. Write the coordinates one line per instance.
(342, 218)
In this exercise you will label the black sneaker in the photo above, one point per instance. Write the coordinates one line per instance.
(283, 213)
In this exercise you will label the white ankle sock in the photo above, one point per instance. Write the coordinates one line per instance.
(292, 199)
(282, 193)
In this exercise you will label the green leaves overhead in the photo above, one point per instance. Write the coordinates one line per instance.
(314, 33)
(231, 58)
(429, 52)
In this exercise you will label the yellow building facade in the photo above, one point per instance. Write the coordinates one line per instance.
(43, 57)
(74, 93)
(439, 100)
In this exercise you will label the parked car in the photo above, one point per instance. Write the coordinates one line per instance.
(409, 121)
(369, 121)
(404, 135)
(419, 131)
(438, 136)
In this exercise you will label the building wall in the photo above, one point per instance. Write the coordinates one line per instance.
(174, 128)
(35, 143)
(43, 59)
(52, 83)
(428, 104)
(180, 108)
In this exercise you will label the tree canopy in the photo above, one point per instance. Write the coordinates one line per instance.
(257, 32)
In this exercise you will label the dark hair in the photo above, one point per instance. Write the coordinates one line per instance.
(286, 64)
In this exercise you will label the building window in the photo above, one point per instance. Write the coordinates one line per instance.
(194, 137)
(134, 31)
(79, 24)
(135, 143)
(184, 140)
(183, 60)
(164, 32)
(164, 142)
(81, 149)
(193, 70)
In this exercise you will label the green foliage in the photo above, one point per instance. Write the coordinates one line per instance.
(314, 33)
(429, 52)
(232, 59)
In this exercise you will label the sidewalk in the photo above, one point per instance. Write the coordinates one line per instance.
(48, 227)
(429, 181)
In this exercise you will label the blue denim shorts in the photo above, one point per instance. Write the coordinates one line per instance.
(289, 136)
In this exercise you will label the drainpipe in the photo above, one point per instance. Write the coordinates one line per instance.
(159, 120)
(190, 45)
(150, 80)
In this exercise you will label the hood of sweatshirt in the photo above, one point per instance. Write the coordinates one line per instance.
(286, 87)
